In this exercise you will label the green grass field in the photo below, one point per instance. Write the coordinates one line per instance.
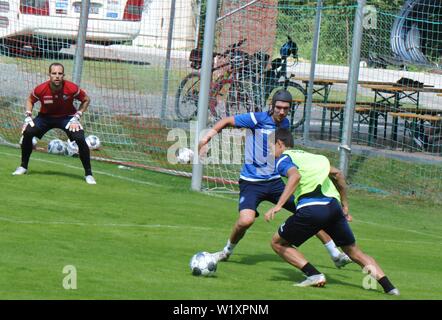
(132, 235)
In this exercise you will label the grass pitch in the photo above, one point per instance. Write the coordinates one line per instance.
(132, 235)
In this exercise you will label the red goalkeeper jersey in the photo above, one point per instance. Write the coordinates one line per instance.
(60, 103)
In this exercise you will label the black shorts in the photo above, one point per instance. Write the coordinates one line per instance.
(45, 123)
(309, 220)
(251, 194)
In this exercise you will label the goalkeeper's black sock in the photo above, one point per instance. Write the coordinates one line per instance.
(26, 150)
(85, 156)
(386, 284)
(309, 270)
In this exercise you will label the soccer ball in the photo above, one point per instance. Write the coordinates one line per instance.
(203, 264)
(184, 155)
(71, 149)
(56, 146)
(34, 142)
(93, 142)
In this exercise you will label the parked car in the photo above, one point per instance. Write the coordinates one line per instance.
(35, 25)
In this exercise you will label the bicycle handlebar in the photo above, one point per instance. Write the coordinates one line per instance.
(231, 47)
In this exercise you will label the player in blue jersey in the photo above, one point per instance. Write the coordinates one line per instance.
(321, 204)
(259, 181)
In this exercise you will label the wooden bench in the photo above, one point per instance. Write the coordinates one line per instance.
(416, 116)
(413, 122)
(337, 112)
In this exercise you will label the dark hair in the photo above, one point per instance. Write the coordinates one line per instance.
(54, 65)
(285, 136)
(282, 95)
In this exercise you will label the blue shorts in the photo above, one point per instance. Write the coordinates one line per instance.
(251, 194)
(309, 220)
(45, 123)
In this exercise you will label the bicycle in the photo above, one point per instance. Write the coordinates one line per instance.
(227, 92)
(277, 77)
(246, 86)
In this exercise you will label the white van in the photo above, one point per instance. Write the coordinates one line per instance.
(22, 22)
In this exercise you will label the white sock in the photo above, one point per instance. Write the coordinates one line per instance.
(332, 249)
(229, 246)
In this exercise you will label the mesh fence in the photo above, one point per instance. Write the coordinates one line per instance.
(142, 72)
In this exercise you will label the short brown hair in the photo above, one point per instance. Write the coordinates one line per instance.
(55, 64)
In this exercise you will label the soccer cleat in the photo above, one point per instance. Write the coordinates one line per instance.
(342, 260)
(19, 171)
(221, 256)
(394, 292)
(317, 280)
(90, 180)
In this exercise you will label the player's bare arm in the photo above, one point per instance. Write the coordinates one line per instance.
(29, 105)
(294, 177)
(338, 179)
(84, 104)
(226, 122)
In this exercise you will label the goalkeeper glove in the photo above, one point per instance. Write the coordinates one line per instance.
(28, 120)
(74, 124)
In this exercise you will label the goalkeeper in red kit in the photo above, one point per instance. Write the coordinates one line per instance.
(57, 110)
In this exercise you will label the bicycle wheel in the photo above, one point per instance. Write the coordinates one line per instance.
(297, 108)
(186, 98)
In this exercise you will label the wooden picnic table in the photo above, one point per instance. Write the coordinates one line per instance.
(391, 96)
(344, 81)
(401, 88)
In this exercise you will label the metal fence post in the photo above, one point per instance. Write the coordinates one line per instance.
(81, 41)
(167, 66)
(206, 78)
(197, 22)
(314, 59)
(350, 101)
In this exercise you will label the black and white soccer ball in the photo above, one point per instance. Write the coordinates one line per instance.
(93, 142)
(184, 155)
(203, 264)
(56, 146)
(71, 148)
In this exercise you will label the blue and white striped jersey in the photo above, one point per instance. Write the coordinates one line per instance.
(259, 163)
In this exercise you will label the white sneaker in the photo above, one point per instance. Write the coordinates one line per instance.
(221, 255)
(90, 180)
(342, 260)
(394, 292)
(19, 171)
(318, 280)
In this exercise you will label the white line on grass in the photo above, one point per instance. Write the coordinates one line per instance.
(209, 194)
(95, 171)
(113, 225)
(400, 229)
(163, 226)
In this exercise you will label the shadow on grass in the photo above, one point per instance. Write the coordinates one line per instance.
(294, 275)
(77, 176)
(253, 259)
